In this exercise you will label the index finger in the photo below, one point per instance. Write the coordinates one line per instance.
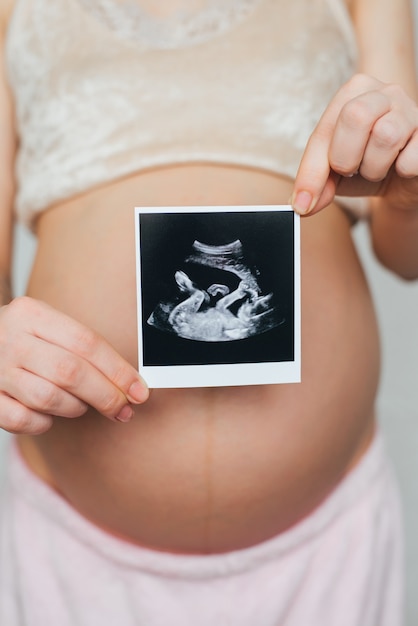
(316, 182)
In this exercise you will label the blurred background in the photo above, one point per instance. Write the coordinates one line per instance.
(397, 309)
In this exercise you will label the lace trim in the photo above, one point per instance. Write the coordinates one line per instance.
(183, 27)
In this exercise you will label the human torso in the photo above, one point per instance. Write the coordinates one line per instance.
(206, 470)
(239, 82)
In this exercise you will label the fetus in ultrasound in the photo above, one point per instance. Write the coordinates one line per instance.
(217, 297)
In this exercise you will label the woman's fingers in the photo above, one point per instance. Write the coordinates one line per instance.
(82, 342)
(353, 129)
(61, 374)
(312, 189)
(17, 418)
(407, 161)
(41, 395)
(371, 131)
(367, 128)
(51, 364)
(388, 138)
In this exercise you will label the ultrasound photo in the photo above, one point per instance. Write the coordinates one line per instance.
(218, 295)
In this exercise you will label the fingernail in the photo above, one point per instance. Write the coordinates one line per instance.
(351, 175)
(125, 414)
(303, 202)
(137, 392)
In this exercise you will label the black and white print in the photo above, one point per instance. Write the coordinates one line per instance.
(218, 295)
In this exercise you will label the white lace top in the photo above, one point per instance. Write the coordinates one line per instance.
(105, 88)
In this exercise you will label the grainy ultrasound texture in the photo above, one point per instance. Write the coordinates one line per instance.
(218, 311)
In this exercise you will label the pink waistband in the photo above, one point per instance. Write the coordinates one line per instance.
(45, 502)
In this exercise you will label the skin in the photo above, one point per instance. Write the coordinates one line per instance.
(210, 470)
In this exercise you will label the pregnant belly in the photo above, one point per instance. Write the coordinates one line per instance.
(207, 470)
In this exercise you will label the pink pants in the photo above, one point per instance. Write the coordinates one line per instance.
(341, 566)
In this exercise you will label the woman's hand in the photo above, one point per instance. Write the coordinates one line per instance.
(366, 144)
(51, 365)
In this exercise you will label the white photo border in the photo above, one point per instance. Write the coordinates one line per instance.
(220, 375)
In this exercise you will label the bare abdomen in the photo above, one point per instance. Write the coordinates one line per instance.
(207, 470)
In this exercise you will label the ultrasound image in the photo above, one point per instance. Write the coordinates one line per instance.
(218, 297)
